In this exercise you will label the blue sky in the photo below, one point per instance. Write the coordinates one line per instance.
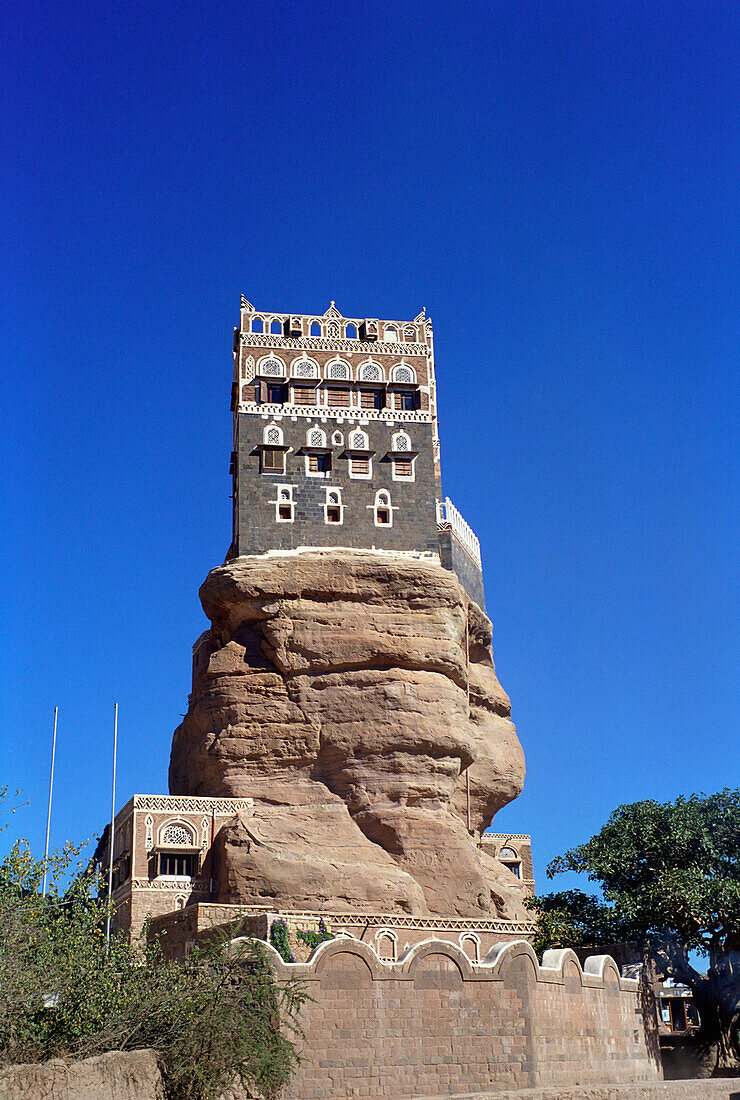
(556, 182)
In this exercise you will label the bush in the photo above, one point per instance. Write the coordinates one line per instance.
(215, 1018)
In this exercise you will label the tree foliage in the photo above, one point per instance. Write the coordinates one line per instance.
(216, 1017)
(669, 877)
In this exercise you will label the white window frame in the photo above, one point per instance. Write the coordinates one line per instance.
(376, 506)
(280, 502)
(403, 477)
(330, 504)
(357, 476)
(318, 473)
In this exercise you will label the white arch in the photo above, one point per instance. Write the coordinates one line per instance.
(387, 935)
(401, 441)
(272, 436)
(271, 366)
(304, 368)
(177, 833)
(315, 437)
(402, 372)
(358, 440)
(370, 371)
(338, 370)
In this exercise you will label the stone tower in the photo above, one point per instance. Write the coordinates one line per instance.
(336, 441)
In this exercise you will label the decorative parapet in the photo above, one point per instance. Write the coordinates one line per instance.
(326, 343)
(449, 519)
(337, 412)
(186, 803)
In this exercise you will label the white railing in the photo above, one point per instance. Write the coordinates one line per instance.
(448, 518)
(336, 412)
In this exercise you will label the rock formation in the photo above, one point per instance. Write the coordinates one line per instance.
(346, 692)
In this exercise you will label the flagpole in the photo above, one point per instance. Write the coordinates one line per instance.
(112, 822)
(48, 812)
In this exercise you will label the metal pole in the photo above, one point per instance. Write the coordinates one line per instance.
(112, 823)
(48, 812)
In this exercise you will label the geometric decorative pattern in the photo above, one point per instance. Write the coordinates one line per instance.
(271, 367)
(338, 370)
(403, 374)
(316, 438)
(274, 436)
(305, 368)
(178, 836)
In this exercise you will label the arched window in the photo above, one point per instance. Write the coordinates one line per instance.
(409, 335)
(176, 835)
(383, 512)
(391, 335)
(304, 368)
(273, 452)
(401, 442)
(386, 945)
(370, 372)
(272, 436)
(511, 861)
(277, 328)
(404, 374)
(333, 508)
(271, 367)
(358, 441)
(337, 439)
(332, 330)
(257, 325)
(315, 437)
(350, 333)
(338, 370)
(315, 329)
(284, 505)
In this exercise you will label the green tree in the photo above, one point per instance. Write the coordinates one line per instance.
(669, 877)
(215, 1018)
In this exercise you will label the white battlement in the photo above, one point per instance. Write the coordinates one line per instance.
(448, 518)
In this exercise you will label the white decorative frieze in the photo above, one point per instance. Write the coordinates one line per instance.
(323, 343)
(185, 803)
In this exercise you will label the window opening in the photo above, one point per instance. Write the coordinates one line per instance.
(273, 460)
(403, 468)
(304, 395)
(371, 399)
(277, 327)
(257, 325)
(275, 395)
(175, 863)
(337, 398)
(404, 400)
(359, 466)
(319, 464)
(315, 328)
(391, 334)
(350, 333)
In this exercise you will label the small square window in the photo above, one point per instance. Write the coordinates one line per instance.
(403, 468)
(274, 395)
(319, 464)
(333, 514)
(285, 512)
(384, 516)
(371, 399)
(273, 460)
(359, 466)
(404, 401)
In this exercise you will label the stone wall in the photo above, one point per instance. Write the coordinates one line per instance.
(433, 1023)
(119, 1075)
(414, 524)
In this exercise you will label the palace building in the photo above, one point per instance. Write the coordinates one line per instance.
(336, 441)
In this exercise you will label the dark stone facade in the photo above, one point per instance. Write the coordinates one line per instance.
(257, 529)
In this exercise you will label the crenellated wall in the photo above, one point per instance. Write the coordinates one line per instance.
(434, 1023)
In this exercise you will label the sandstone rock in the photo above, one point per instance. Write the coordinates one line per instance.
(346, 692)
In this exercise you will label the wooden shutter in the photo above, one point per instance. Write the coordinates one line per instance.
(338, 397)
(403, 467)
(304, 395)
(360, 465)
